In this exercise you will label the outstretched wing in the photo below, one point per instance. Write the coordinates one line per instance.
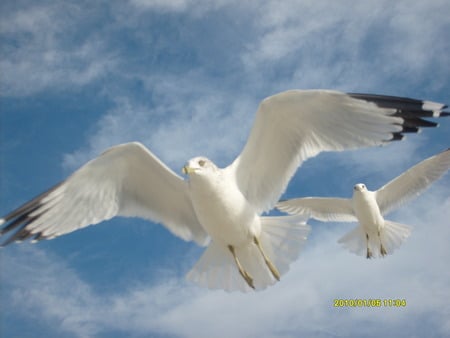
(292, 126)
(126, 180)
(321, 208)
(412, 182)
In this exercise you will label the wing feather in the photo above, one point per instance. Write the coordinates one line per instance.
(126, 180)
(412, 182)
(295, 125)
(320, 208)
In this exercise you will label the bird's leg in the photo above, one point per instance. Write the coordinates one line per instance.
(369, 253)
(382, 249)
(269, 264)
(243, 273)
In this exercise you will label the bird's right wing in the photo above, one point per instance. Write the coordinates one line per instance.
(412, 182)
(126, 180)
(295, 125)
(320, 208)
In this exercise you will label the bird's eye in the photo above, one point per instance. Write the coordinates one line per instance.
(201, 163)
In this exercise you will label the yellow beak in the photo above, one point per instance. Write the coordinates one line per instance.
(187, 170)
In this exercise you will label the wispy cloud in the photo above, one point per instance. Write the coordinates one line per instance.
(351, 45)
(36, 53)
(302, 44)
(186, 118)
(198, 7)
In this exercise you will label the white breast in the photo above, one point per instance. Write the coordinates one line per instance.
(222, 209)
(367, 211)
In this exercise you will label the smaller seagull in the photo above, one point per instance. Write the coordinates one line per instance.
(374, 236)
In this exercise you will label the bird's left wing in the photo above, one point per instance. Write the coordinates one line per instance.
(292, 126)
(320, 208)
(126, 180)
(412, 182)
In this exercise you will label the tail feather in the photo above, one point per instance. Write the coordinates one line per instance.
(281, 239)
(392, 236)
(216, 270)
(355, 241)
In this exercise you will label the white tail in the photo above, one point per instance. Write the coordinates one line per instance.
(281, 238)
(392, 236)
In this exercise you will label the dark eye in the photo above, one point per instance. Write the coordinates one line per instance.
(201, 163)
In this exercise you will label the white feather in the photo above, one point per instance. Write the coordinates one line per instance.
(321, 208)
(293, 126)
(126, 180)
(412, 182)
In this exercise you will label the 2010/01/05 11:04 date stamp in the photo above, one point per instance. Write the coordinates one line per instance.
(376, 302)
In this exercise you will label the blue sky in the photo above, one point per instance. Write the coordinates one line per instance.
(185, 78)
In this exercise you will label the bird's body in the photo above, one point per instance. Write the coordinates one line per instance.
(226, 215)
(374, 236)
(366, 209)
(222, 208)
(368, 214)
(223, 211)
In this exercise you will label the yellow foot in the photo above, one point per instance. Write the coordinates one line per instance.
(383, 250)
(269, 264)
(247, 278)
(244, 274)
(369, 254)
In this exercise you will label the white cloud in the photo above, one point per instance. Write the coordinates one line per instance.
(172, 5)
(187, 118)
(348, 45)
(195, 6)
(42, 49)
(413, 37)
(352, 44)
(47, 295)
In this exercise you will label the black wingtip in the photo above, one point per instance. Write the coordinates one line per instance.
(16, 221)
(416, 121)
(407, 129)
(404, 105)
(412, 111)
(397, 137)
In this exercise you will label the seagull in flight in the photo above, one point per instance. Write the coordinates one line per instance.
(374, 236)
(222, 208)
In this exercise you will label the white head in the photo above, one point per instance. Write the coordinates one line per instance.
(359, 187)
(199, 166)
